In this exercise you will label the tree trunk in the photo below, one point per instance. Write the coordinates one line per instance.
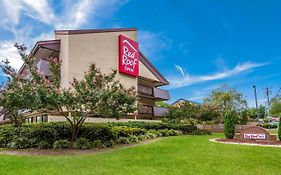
(74, 134)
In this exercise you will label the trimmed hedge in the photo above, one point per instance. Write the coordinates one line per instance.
(186, 129)
(268, 126)
(229, 125)
(279, 130)
(56, 134)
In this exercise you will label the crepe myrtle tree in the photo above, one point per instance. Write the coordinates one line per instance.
(96, 94)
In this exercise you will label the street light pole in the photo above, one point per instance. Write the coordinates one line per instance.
(255, 93)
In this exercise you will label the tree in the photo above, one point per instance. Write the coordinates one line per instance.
(229, 125)
(255, 113)
(275, 108)
(209, 112)
(162, 104)
(244, 118)
(186, 113)
(226, 99)
(96, 94)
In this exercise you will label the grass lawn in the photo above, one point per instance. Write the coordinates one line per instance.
(172, 155)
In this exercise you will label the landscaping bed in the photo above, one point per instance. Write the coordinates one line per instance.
(64, 152)
(91, 135)
(258, 142)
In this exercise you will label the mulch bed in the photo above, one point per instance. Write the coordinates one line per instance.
(65, 152)
(260, 142)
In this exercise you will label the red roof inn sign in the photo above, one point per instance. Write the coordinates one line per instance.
(128, 56)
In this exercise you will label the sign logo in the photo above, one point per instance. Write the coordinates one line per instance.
(128, 56)
(254, 136)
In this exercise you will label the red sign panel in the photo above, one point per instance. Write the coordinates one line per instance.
(128, 56)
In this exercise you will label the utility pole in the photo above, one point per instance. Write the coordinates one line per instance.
(267, 94)
(255, 93)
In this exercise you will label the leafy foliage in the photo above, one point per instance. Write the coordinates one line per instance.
(257, 113)
(186, 113)
(97, 94)
(162, 104)
(56, 134)
(279, 130)
(193, 113)
(275, 108)
(268, 126)
(244, 117)
(229, 125)
(227, 98)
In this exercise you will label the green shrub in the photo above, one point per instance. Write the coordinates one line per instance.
(201, 132)
(83, 143)
(44, 135)
(229, 125)
(109, 143)
(123, 140)
(167, 132)
(61, 144)
(150, 135)
(43, 144)
(141, 137)
(186, 129)
(268, 126)
(94, 132)
(98, 144)
(279, 130)
(41, 134)
(133, 139)
(126, 131)
(19, 143)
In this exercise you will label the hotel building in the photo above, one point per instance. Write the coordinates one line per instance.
(109, 49)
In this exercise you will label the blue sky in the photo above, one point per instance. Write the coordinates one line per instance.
(198, 45)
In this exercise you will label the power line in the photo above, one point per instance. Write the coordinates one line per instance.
(277, 94)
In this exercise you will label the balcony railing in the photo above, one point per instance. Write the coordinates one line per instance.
(146, 90)
(153, 92)
(160, 111)
(152, 110)
(161, 94)
(146, 110)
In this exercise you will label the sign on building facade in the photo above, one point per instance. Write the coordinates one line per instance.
(128, 56)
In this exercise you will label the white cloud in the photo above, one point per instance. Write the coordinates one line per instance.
(39, 10)
(180, 69)
(77, 14)
(176, 82)
(73, 15)
(10, 12)
(7, 50)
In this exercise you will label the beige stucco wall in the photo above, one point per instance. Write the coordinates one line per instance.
(98, 48)
(144, 72)
(64, 58)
